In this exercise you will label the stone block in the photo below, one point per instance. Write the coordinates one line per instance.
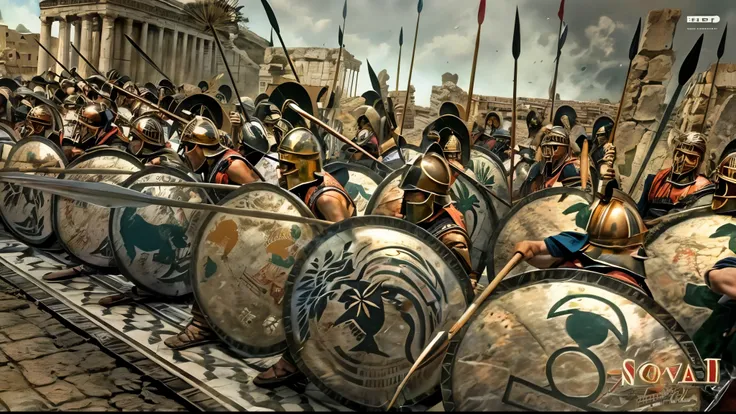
(45, 370)
(95, 385)
(660, 68)
(29, 348)
(11, 379)
(24, 400)
(659, 31)
(650, 100)
(13, 304)
(449, 77)
(60, 392)
(89, 404)
(23, 331)
(726, 77)
(639, 66)
(9, 319)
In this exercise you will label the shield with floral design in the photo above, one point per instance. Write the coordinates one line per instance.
(489, 171)
(152, 245)
(542, 214)
(82, 228)
(681, 249)
(365, 298)
(359, 181)
(27, 212)
(240, 264)
(558, 339)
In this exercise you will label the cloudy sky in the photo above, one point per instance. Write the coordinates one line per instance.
(593, 63)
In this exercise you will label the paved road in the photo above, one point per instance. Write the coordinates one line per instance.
(44, 366)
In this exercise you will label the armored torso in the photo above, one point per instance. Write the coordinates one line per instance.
(664, 196)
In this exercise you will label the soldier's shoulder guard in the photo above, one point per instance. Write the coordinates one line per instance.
(535, 171)
(702, 183)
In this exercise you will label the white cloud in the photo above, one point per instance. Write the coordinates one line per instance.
(600, 35)
(21, 12)
(321, 24)
(451, 45)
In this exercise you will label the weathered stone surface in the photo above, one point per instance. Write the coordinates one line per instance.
(97, 361)
(24, 400)
(449, 77)
(45, 370)
(726, 77)
(29, 348)
(650, 100)
(11, 379)
(68, 340)
(60, 392)
(125, 379)
(639, 66)
(3, 359)
(23, 331)
(53, 327)
(89, 404)
(5, 296)
(12, 304)
(3, 339)
(127, 402)
(95, 385)
(660, 68)
(659, 30)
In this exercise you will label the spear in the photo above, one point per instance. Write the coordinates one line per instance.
(275, 27)
(721, 49)
(481, 17)
(401, 45)
(64, 67)
(270, 41)
(340, 33)
(420, 6)
(686, 71)
(147, 58)
(85, 60)
(515, 51)
(561, 15)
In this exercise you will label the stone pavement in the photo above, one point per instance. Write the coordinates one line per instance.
(44, 366)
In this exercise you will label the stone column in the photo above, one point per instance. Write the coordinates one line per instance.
(160, 49)
(213, 58)
(127, 48)
(45, 39)
(95, 59)
(355, 87)
(143, 43)
(77, 40)
(173, 56)
(192, 73)
(182, 58)
(63, 52)
(85, 45)
(200, 60)
(106, 38)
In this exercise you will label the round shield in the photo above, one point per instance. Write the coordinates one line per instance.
(206, 106)
(386, 199)
(489, 171)
(8, 134)
(365, 298)
(567, 352)
(83, 228)
(458, 128)
(269, 168)
(359, 181)
(681, 249)
(240, 265)
(542, 214)
(27, 212)
(152, 245)
(296, 92)
(371, 97)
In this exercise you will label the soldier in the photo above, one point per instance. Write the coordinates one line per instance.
(675, 188)
(276, 127)
(533, 125)
(39, 121)
(602, 128)
(368, 136)
(93, 127)
(302, 174)
(147, 141)
(483, 135)
(558, 166)
(613, 242)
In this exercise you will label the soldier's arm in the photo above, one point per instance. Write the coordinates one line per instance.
(333, 207)
(536, 253)
(722, 279)
(240, 173)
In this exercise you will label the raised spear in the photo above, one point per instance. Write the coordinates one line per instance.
(686, 72)
(147, 58)
(420, 6)
(721, 49)
(85, 60)
(398, 69)
(481, 17)
(515, 51)
(560, 42)
(275, 27)
(340, 34)
(64, 67)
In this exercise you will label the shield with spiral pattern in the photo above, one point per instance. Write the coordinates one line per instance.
(240, 265)
(567, 351)
(82, 228)
(365, 298)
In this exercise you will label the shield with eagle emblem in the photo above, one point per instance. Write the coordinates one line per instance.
(359, 182)
(82, 228)
(240, 265)
(539, 215)
(152, 245)
(27, 212)
(365, 298)
(567, 352)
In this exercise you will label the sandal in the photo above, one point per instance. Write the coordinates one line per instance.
(66, 274)
(125, 298)
(191, 336)
(291, 378)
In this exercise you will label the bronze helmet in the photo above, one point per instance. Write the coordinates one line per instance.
(724, 198)
(40, 118)
(615, 221)
(300, 158)
(204, 133)
(687, 157)
(146, 135)
(92, 119)
(367, 116)
(452, 147)
(430, 174)
(556, 138)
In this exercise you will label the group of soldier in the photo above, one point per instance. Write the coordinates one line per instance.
(81, 115)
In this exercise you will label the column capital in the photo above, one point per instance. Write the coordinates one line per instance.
(109, 17)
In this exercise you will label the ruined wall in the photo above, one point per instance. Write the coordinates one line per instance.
(398, 98)
(644, 99)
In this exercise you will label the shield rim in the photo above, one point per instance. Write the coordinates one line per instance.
(495, 158)
(148, 170)
(220, 119)
(522, 203)
(382, 185)
(11, 132)
(51, 240)
(99, 152)
(557, 120)
(582, 276)
(336, 165)
(449, 121)
(247, 351)
(382, 221)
